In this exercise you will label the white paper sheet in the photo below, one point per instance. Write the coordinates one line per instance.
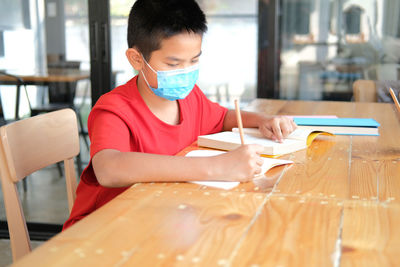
(268, 163)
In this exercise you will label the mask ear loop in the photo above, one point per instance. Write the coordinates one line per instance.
(145, 61)
(144, 76)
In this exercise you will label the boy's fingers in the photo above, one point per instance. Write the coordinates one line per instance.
(294, 125)
(286, 128)
(276, 129)
(268, 133)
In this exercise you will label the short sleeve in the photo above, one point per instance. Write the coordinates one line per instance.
(212, 115)
(107, 130)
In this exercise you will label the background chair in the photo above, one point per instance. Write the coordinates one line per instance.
(62, 95)
(374, 91)
(27, 146)
(364, 91)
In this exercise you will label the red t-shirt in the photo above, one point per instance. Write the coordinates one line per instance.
(121, 120)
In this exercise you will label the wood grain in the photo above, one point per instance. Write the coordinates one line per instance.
(389, 180)
(157, 226)
(292, 231)
(363, 179)
(371, 236)
(387, 145)
(321, 170)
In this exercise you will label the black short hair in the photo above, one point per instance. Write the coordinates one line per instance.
(151, 21)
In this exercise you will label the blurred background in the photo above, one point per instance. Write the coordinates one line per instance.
(319, 47)
(282, 49)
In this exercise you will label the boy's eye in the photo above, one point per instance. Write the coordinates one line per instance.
(174, 65)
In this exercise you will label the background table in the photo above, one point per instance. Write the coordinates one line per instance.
(51, 75)
(339, 204)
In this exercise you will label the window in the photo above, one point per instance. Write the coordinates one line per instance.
(352, 20)
(228, 64)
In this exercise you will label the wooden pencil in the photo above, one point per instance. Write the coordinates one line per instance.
(239, 121)
(396, 101)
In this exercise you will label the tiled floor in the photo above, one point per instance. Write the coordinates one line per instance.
(45, 201)
(5, 251)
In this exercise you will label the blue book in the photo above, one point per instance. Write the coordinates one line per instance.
(341, 126)
(348, 122)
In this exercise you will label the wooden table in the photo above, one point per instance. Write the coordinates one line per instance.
(338, 205)
(51, 75)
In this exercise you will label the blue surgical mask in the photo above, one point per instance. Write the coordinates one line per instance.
(174, 84)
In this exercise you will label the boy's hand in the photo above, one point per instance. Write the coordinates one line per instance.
(277, 128)
(241, 164)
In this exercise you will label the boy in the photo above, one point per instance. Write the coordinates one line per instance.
(137, 128)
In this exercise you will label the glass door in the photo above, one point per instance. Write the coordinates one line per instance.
(327, 45)
(22, 49)
(36, 38)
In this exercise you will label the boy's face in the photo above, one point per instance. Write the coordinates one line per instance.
(177, 52)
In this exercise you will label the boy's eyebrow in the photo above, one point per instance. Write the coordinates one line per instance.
(199, 54)
(177, 59)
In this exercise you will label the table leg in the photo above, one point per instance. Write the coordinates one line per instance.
(17, 101)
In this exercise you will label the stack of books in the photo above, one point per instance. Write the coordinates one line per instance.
(308, 129)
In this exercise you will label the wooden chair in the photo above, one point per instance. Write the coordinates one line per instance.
(27, 146)
(364, 91)
(62, 95)
(374, 91)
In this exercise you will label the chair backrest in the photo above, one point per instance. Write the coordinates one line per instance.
(364, 91)
(27, 146)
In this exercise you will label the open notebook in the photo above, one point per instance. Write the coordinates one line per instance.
(297, 140)
(268, 164)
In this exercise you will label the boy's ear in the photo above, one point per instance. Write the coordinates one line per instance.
(135, 58)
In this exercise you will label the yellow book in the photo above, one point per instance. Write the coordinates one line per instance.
(229, 140)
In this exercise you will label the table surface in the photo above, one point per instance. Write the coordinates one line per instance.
(49, 75)
(339, 204)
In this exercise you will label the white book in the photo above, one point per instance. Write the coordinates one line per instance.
(230, 140)
(342, 130)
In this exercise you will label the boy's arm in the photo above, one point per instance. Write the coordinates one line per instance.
(118, 169)
(272, 127)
